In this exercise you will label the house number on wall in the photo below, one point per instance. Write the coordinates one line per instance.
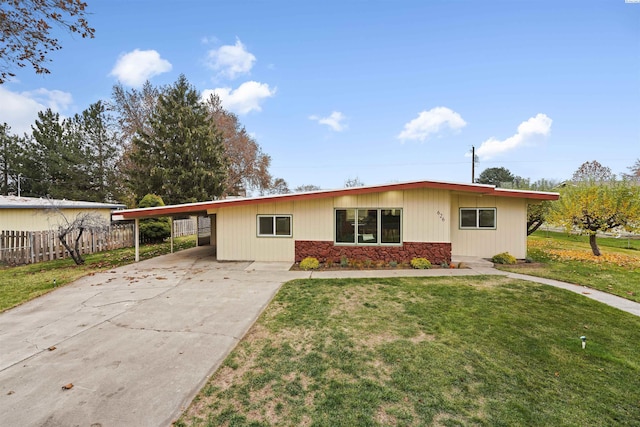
(441, 216)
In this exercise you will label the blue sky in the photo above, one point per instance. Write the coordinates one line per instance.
(384, 91)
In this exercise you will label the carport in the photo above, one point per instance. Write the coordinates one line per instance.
(206, 223)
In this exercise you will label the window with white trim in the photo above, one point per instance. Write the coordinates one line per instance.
(368, 226)
(274, 226)
(478, 218)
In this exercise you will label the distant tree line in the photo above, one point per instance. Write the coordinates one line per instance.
(156, 140)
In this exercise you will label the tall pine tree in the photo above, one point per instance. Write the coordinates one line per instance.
(99, 148)
(47, 167)
(55, 162)
(10, 152)
(185, 153)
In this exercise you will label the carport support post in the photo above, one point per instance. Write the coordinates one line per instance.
(171, 234)
(136, 231)
(197, 230)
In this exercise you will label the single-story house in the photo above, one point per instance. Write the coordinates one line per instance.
(37, 214)
(390, 222)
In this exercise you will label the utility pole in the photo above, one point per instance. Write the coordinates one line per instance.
(19, 176)
(473, 164)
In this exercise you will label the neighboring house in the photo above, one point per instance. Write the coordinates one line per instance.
(392, 222)
(36, 214)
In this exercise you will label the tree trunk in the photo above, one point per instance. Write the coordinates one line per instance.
(74, 252)
(533, 226)
(594, 245)
(78, 257)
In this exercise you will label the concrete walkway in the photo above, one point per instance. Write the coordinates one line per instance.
(138, 342)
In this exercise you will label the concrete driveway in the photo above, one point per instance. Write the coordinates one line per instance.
(136, 342)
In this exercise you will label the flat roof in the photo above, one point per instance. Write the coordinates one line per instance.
(15, 202)
(202, 207)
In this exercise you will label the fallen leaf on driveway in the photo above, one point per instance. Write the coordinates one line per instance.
(53, 347)
(67, 386)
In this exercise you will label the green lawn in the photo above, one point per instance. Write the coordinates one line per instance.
(568, 258)
(487, 351)
(23, 283)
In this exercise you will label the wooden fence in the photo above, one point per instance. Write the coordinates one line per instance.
(29, 247)
(185, 227)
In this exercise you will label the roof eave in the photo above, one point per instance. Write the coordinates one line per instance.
(204, 207)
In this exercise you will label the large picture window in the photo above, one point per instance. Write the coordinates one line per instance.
(478, 218)
(274, 225)
(368, 226)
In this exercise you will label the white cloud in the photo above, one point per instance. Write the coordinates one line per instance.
(20, 110)
(57, 100)
(134, 68)
(209, 40)
(334, 121)
(246, 98)
(540, 125)
(430, 123)
(231, 60)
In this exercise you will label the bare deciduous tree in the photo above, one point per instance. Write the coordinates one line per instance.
(635, 171)
(306, 187)
(25, 31)
(353, 182)
(593, 171)
(71, 229)
(248, 165)
(278, 186)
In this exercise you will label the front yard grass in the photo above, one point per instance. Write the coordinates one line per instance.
(568, 258)
(23, 283)
(448, 351)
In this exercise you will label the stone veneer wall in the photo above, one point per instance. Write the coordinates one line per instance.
(323, 250)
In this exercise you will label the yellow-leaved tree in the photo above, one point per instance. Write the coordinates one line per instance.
(593, 206)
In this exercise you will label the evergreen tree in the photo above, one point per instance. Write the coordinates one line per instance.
(45, 166)
(154, 230)
(133, 110)
(99, 147)
(185, 153)
(10, 152)
(495, 176)
(54, 163)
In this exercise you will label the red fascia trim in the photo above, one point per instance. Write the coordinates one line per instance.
(526, 194)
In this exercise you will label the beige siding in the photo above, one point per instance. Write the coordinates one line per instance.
(313, 220)
(510, 233)
(43, 219)
(426, 215)
(389, 199)
(237, 234)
